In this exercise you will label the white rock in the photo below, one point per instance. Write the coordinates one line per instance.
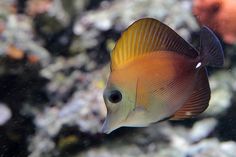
(5, 114)
(202, 129)
(229, 148)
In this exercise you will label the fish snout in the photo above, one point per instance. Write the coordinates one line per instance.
(110, 124)
(106, 127)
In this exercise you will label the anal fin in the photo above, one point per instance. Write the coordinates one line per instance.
(199, 99)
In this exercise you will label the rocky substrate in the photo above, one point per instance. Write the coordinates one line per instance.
(52, 83)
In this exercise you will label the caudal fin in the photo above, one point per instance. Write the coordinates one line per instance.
(210, 48)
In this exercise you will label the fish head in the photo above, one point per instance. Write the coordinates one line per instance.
(119, 97)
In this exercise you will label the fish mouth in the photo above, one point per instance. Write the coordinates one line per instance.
(108, 127)
(105, 127)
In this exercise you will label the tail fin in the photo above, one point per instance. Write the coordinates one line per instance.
(210, 48)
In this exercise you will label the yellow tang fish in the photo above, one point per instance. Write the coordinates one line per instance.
(156, 75)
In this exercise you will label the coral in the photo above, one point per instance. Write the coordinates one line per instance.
(219, 15)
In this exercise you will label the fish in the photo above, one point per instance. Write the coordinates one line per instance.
(219, 15)
(156, 75)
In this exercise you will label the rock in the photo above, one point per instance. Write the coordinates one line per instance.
(175, 13)
(202, 129)
(41, 144)
(5, 114)
(221, 83)
(122, 151)
(157, 148)
(212, 148)
(170, 153)
(229, 148)
(17, 29)
(74, 110)
(85, 108)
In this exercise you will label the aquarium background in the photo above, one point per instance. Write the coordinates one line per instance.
(54, 62)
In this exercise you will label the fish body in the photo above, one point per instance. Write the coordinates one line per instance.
(156, 75)
(219, 15)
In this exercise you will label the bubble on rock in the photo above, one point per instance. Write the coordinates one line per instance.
(78, 29)
(202, 129)
(104, 25)
(5, 114)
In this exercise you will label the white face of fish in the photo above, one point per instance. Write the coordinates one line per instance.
(118, 106)
(122, 110)
(138, 117)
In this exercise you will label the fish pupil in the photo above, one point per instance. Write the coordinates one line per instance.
(115, 96)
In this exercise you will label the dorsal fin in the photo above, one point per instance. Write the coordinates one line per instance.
(148, 36)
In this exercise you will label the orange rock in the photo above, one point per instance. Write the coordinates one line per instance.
(2, 26)
(35, 7)
(13, 8)
(219, 15)
(15, 53)
(33, 59)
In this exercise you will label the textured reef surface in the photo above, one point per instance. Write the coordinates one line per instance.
(54, 62)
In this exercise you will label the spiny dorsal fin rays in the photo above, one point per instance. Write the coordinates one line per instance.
(147, 36)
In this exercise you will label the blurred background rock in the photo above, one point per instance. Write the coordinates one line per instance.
(54, 60)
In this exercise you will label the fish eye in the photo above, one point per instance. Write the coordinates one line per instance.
(115, 96)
